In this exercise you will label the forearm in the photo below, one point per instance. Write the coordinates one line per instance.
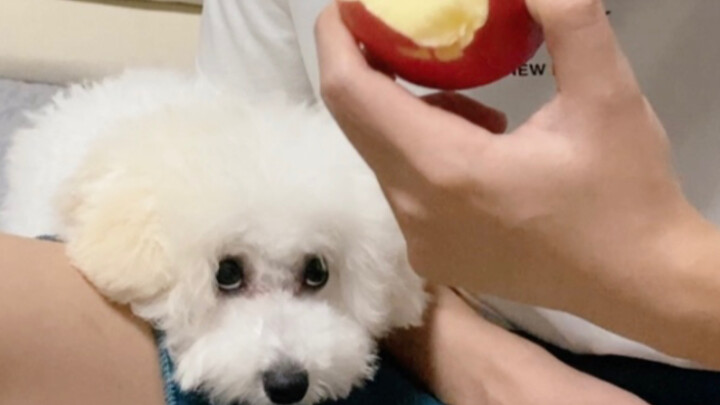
(466, 360)
(665, 294)
(61, 342)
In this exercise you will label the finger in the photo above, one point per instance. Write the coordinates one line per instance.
(483, 116)
(586, 56)
(386, 123)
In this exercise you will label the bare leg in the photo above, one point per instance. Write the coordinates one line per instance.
(61, 342)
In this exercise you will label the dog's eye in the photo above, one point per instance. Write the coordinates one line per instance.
(316, 273)
(230, 274)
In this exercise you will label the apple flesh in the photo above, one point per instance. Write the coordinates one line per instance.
(445, 44)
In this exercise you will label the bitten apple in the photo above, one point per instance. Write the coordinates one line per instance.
(445, 44)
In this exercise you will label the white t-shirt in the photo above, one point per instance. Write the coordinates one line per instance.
(262, 47)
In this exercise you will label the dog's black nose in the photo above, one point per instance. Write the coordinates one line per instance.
(285, 384)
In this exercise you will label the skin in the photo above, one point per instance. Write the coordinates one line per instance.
(578, 209)
(466, 360)
(63, 343)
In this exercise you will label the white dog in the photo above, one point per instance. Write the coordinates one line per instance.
(253, 235)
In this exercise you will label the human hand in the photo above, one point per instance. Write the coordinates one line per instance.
(578, 209)
(581, 186)
(466, 360)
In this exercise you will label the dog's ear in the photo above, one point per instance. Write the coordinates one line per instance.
(114, 234)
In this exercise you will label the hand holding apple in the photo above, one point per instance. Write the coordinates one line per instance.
(446, 44)
(576, 209)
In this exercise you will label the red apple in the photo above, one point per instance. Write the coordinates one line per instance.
(445, 44)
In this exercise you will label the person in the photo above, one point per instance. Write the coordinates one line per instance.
(62, 343)
(584, 189)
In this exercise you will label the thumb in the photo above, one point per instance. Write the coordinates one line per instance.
(586, 56)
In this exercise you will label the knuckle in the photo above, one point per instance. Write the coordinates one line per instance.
(448, 179)
(417, 252)
(336, 81)
(337, 69)
(574, 13)
(578, 9)
(580, 6)
(321, 23)
(332, 89)
(408, 209)
(452, 169)
(414, 257)
(621, 97)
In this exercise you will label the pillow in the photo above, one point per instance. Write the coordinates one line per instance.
(250, 47)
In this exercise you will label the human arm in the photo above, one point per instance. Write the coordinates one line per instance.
(578, 209)
(466, 360)
(61, 342)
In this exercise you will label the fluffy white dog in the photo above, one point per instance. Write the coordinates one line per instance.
(252, 235)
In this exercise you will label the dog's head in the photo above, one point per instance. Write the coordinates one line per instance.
(260, 244)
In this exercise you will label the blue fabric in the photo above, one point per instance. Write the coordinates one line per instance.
(390, 386)
(173, 394)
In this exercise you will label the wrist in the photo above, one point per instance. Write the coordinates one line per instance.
(456, 353)
(661, 284)
(464, 359)
(688, 282)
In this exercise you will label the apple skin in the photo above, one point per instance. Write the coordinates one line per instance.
(509, 38)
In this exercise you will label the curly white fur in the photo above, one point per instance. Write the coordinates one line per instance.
(154, 178)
